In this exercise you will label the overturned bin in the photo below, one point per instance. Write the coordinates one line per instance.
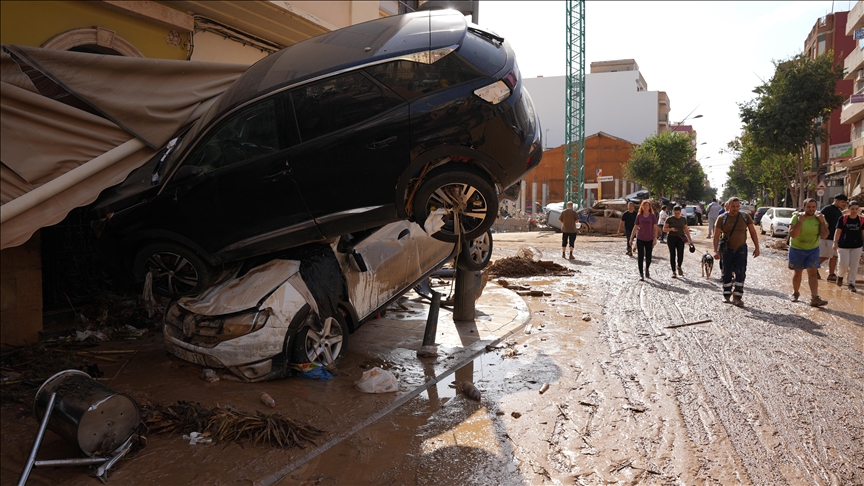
(87, 413)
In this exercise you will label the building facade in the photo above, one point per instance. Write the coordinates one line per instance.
(851, 165)
(828, 35)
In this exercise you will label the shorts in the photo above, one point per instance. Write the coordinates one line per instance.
(826, 248)
(568, 237)
(803, 259)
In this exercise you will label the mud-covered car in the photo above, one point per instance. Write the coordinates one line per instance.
(382, 121)
(269, 316)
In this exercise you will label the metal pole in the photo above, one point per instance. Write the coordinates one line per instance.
(84, 461)
(432, 320)
(32, 459)
(533, 198)
(463, 305)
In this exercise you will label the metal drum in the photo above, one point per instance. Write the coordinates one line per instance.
(87, 412)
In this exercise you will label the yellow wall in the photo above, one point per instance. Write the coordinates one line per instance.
(33, 23)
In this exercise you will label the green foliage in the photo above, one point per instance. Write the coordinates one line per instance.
(780, 118)
(709, 194)
(757, 169)
(659, 163)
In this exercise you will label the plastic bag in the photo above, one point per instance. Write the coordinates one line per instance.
(313, 371)
(377, 380)
(435, 221)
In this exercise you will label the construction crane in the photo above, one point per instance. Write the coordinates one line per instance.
(574, 106)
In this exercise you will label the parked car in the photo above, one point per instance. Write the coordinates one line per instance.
(690, 214)
(382, 121)
(757, 218)
(776, 221)
(258, 323)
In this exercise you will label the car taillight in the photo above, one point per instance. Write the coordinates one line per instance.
(494, 93)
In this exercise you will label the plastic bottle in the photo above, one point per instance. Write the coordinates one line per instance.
(268, 400)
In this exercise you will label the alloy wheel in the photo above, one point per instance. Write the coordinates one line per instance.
(172, 273)
(465, 205)
(479, 249)
(325, 344)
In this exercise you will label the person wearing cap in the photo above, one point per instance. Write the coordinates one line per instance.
(676, 230)
(832, 213)
(734, 226)
(848, 243)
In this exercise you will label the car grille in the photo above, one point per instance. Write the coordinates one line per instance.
(199, 340)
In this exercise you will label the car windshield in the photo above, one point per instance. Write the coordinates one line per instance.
(689, 210)
(783, 213)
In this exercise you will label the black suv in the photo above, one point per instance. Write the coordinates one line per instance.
(385, 120)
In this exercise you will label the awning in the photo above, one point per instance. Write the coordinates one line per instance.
(52, 144)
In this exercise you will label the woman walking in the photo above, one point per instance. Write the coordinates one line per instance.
(645, 231)
(676, 229)
(848, 243)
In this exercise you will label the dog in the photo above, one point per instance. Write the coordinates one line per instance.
(707, 265)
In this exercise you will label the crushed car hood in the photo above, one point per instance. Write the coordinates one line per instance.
(244, 293)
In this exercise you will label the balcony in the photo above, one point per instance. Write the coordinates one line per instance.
(852, 112)
(855, 19)
(853, 63)
(663, 119)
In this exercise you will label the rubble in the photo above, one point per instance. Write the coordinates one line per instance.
(515, 267)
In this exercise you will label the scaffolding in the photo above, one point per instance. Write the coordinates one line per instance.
(574, 107)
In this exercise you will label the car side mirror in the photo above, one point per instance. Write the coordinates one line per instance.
(187, 173)
(359, 261)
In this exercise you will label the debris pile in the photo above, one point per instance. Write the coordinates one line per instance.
(227, 424)
(516, 267)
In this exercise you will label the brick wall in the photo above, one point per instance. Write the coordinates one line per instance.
(21, 293)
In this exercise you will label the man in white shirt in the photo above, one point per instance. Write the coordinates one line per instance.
(713, 211)
(661, 220)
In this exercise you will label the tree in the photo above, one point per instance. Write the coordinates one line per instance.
(659, 163)
(772, 173)
(781, 117)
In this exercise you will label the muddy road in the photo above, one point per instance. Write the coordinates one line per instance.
(770, 393)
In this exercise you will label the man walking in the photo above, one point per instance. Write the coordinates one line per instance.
(713, 212)
(805, 230)
(698, 211)
(833, 213)
(568, 219)
(734, 226)
(628, 221)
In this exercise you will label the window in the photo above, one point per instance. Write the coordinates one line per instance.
(337, 103)
(412, 79)
(248, 134)
(821, 45)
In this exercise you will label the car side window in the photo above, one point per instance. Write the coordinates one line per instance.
(412, 79)
(247, 134)
(336, 103)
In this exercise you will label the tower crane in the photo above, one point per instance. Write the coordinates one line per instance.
(574, 107)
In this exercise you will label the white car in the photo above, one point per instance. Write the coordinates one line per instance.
(261, 321)
(776, 221)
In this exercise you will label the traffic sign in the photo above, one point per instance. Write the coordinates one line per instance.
(821, 185)
(605, 178)
(820, 192)
(858, 34)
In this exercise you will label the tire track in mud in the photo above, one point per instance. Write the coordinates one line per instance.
(782, 393)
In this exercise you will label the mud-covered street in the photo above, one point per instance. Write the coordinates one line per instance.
(586, 384)
(771, 393)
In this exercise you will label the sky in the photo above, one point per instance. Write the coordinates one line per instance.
(707, 56)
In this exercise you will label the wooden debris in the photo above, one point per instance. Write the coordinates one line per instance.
(703, 321)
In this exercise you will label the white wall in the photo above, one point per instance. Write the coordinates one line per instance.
(612, 105)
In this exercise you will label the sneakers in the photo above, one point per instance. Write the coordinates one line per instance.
(648, 275)
(832, 277)
(737, 302)
(839, 281)
(726, 300)
(680, 272)
(563, 254)
(571, 256)
(795, 297)
(852, 289)
(674, 275)
(816, 301)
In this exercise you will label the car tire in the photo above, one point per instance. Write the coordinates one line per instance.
(772, 231)
(466, 184)
(761, 229)
(475, 253)
(317, 343)
(177, 270)
(583, 229)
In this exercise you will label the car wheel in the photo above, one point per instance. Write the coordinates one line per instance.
(177, 270)
(772, 231)
(323, 343)
(475, 253)
(583, 228)
(761, 229)
(469, 200)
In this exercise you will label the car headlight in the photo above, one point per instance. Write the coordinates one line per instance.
(222, 328)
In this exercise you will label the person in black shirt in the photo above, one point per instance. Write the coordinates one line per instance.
(848, 242)
(832, 213)
(628, 222)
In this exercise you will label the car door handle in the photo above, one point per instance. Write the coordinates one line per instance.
(277, 175)
(381, 143)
